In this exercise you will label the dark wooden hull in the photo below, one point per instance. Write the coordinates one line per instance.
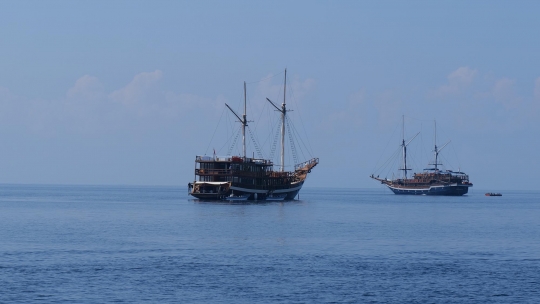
(287, 192)
(446, 190)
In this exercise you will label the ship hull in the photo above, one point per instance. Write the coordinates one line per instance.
(446, 190)
(288, 193)
(237, 191)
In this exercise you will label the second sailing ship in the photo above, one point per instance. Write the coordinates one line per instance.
(432, 181)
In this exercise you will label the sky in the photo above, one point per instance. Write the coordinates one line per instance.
(129, 92)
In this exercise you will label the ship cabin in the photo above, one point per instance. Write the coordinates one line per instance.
(224, 169)
(246, 172)
(435, 175)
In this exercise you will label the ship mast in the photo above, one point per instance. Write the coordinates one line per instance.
(436, 151)
(242, 120)
(244, 124)
(283, 111)
(404, 149)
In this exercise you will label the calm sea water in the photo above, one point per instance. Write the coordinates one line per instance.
(87, 244)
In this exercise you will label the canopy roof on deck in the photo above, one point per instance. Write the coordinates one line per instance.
(210, 183)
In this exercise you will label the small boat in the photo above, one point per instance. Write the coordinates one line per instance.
(276, 197)
(234, 197)
(493, 194)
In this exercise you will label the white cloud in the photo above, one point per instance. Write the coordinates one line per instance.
(87, 107)
(463, 76)
(86, 88)
(138, 88)
(458, 80)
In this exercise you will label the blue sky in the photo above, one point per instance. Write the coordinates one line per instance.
(128, 92)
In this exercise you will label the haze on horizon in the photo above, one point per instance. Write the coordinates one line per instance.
(128, 92)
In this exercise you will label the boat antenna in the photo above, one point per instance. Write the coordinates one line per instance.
(242, 120)
(283, 111)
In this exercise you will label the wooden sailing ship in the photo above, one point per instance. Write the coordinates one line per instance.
(249, 178)
(432, 181)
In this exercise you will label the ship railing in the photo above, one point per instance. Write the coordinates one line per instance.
(200, 158)
(213, 171)
(206, 158)
(262, 161)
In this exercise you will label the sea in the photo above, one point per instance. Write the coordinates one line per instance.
(145, 244)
